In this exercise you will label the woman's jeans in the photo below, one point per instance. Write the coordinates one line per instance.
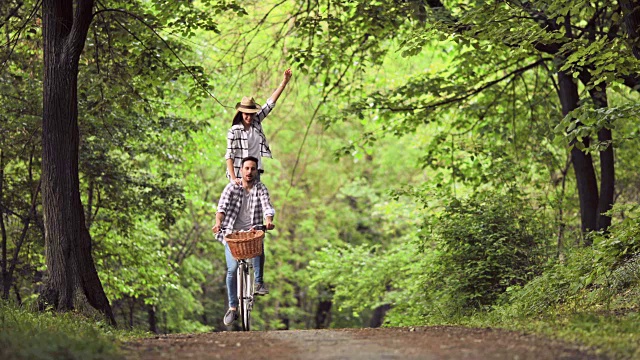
(232, 268)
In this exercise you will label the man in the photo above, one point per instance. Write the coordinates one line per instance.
(241, 207)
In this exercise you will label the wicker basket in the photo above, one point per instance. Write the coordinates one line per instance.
(245, 244)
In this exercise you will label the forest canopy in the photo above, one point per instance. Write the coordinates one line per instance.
(431, 159)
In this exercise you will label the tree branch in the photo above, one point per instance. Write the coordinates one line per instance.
(470, 93)
(23, 235)
(17, 34)
(81, 21)
(12, 13)
(142, 21)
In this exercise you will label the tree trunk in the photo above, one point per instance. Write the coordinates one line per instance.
(67, 241)
(378, 315)
(607, 169)
(3, 233)
(132, 306)
(8, 268)
(153, 325)
(323, 314)
(17, 292)
(631, 12)
(582, 162)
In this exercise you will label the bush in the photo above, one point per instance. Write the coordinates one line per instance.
(487, 244)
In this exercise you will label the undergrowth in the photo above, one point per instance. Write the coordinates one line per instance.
(589, 299)
(42, 336)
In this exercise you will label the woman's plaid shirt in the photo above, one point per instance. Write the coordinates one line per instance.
(237, 144)
(231, 202)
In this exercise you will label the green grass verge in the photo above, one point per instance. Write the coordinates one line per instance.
(33, 335)
(615, 335)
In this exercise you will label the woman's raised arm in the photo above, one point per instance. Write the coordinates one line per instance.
(286, 77)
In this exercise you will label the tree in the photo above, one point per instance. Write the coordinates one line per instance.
(586, 40)
(68, 243)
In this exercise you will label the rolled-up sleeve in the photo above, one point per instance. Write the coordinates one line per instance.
(231, 151)
(225, 199)
(266, 109)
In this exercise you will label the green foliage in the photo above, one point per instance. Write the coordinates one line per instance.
(470, 102)
(365, 277)
(487, 244)
(585, 122)
(28, 335)
(562, 283)
(580, 299)
(622, 241)
(590, 295)
(132, 142)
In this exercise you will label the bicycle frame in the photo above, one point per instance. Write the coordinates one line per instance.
(245, 291)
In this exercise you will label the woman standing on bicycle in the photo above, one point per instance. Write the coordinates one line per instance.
(245, 137)
(240, 208)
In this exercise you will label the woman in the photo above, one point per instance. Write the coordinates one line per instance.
(246, 138)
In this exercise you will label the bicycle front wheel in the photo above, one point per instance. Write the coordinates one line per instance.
(241, 290)
(247, 300)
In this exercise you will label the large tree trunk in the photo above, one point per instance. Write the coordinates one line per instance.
(607, 169)
(69, 261)
(582, 162)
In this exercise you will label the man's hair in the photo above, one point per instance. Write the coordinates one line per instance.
(250, 158)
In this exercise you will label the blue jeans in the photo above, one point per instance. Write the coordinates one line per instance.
(232, 268)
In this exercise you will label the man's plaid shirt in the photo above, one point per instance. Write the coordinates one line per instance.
(237, 146)
(231, 202)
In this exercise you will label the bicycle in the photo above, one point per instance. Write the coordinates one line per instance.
(245, 276)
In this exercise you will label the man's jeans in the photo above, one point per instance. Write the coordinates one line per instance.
(232, 280)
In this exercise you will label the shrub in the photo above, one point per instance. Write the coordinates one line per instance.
(622, 240)
(488, 243)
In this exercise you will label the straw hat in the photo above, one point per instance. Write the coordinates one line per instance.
(248, 105)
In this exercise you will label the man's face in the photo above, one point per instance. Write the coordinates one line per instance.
(246, 118)
(249, 170)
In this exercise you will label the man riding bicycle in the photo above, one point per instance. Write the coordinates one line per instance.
(241, 207)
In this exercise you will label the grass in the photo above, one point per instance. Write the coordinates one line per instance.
(583, 300)
(615, 335)
(33, 335)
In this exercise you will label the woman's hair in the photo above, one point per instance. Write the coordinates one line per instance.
(237, 119)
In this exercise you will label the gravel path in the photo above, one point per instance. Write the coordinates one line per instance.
(387, 343)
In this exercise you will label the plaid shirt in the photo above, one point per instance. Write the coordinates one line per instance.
(231, 202)
(237, 143)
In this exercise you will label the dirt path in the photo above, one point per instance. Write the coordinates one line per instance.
(393, 343)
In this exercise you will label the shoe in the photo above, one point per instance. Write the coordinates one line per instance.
(260, 289)
(230, 317)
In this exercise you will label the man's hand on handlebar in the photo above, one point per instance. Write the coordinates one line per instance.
(265, 227)
(216, 228)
